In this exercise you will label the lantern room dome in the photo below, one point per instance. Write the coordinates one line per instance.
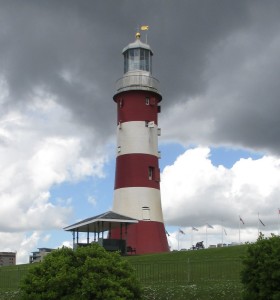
(137, 44)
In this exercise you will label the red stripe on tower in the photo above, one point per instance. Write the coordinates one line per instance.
(137, 188)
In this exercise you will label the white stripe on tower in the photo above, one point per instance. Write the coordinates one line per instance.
(137, 137)
(143, 197)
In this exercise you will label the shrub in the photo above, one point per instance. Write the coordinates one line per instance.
(86, 273)
(261, 269)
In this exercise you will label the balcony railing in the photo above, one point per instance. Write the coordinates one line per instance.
(137, 81)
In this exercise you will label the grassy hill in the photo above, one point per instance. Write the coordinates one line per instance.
(234, 252)
(201, 274)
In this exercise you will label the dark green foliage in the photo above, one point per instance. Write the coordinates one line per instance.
(87, 273)
(261, 273)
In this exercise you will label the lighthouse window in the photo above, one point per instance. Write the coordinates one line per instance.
(144, 60)
(137, 59)
(147, 100)
(151, 173)
(125, 62)
(146, 213)
(133, 60)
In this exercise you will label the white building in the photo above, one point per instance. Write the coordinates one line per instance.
(38, 256)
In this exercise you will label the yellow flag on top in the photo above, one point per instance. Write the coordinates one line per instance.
(144, 27)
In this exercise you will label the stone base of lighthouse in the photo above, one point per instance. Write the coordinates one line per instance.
(146, 237)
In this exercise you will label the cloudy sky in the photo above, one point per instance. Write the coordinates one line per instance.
(219, 68)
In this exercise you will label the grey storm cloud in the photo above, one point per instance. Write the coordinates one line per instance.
(226, 53)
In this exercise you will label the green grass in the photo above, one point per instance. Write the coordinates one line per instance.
(10, 276)
(9, 280)
(203, 274)
(234, 252)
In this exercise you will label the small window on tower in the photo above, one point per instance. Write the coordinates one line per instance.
(147, 101)
(121, 103)
(151, 173)
(146, 213)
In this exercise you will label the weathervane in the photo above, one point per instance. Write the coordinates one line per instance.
(142, 28)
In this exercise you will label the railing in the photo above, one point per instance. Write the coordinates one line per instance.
(161, 273)
(139, 81)
(189, 271)
(10, 277)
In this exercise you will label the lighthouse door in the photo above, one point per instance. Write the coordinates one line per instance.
(146, 213)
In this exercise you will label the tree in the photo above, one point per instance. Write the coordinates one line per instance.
(261, 269)
(86, 273)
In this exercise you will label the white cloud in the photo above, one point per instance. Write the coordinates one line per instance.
(21, 243)
(40, 148)
(92, 200)
(68, 244)
(46, 238)
(195, 192)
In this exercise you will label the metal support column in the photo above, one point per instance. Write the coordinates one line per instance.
(77, 236)
(110, 225)
(73, 233)
(102, 229)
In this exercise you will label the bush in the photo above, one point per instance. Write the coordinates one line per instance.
(261, 272)
(86, 273)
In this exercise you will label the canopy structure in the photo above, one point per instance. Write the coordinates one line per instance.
(100, 224)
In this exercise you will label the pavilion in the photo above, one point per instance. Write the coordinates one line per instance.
(100, 224)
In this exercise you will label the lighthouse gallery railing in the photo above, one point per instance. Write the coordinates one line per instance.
(139, 81)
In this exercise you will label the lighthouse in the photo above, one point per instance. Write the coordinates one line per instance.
(137, 176)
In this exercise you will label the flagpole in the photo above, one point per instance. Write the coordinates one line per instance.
(278, 221)
(206, 237)
(239, 229)
(258, 225)
(222, 234)
(178, 238)
(192, 238)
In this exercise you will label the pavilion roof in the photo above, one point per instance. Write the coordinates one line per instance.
(101, 223)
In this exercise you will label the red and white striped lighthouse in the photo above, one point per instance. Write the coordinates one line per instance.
(137, 179)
